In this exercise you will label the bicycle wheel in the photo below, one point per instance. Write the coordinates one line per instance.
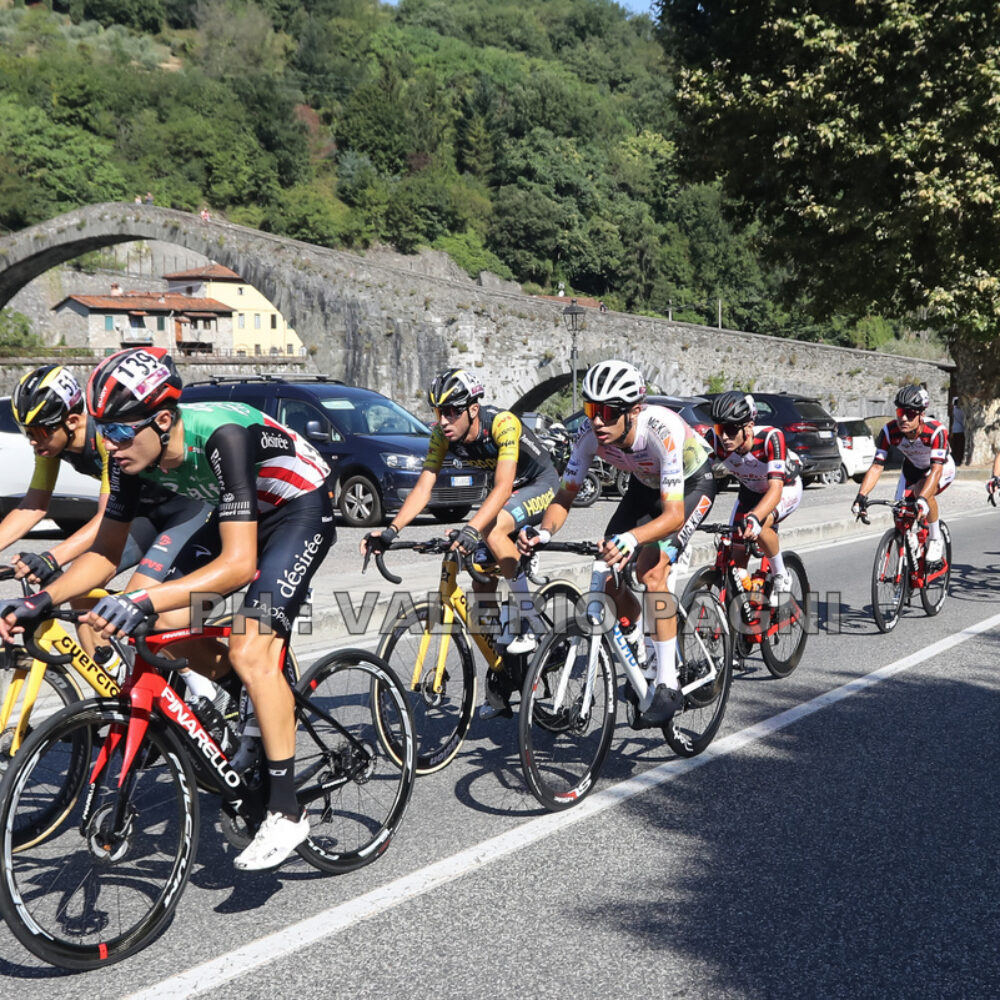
(354, 790)
(105, 882)
(783, 650)
(441, 718)
(56, 692)
(558, 601)
(563, 741)
(932, 595)
(889, 580)
(704, 642)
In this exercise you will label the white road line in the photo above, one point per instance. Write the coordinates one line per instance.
(212, 974)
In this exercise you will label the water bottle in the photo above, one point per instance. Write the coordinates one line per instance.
(214, 721)
(111, 663)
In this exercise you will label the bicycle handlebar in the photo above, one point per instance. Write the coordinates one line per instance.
(724, 529)
(46, 655)
(428, 546)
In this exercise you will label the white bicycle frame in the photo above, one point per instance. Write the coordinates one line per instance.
(600, 571)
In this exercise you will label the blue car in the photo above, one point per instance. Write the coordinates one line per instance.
(375, 448)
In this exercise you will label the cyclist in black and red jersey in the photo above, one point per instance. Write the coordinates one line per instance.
(275, 523)
(768, 474)
(524, 483)
(928, 467)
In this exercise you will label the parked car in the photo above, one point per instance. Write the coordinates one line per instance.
(857, 448)
(75, 501)
(375, 447)
(537, 422)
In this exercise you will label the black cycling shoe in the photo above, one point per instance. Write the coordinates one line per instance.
(666, 703)
(497, 697)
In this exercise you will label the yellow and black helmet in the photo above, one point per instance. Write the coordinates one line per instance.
(455, 387)
(46, 397)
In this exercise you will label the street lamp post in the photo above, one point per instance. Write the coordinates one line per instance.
(571, 317)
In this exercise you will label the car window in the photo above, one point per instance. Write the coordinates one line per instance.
(854, 428)
(811, 410)
(764, 408)
(373, 415)
(7, 422)
(296, 413)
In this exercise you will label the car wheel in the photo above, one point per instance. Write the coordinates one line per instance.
(831, 477)
(842, 475)
(448, 514)
(359, 503)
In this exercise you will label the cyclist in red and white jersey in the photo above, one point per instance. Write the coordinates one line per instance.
(928, 467)
(768, 474)
(671, 490)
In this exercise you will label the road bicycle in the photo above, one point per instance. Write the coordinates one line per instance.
(99, 809)
(428, 647)
(901, 565)
(569, 699)
(43, 689)
(781, 631)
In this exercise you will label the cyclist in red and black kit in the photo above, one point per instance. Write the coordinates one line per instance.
(768, 474)
(275, 524)
(928, 467)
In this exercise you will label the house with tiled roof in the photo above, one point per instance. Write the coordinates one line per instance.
(258, 327)
(183, 324)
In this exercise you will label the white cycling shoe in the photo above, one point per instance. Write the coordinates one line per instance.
(935, 550)
(277, 837)
(781, 587)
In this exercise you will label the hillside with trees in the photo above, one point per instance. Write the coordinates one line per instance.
(537, 141)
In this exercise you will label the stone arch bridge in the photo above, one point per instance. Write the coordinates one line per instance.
(385, 322)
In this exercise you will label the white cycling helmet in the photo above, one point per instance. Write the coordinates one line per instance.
(614, 382)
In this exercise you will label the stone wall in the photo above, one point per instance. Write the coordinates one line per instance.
(392, 322)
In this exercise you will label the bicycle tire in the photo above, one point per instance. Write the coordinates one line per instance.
(783, 651)
(558, 601)
(57, 691)
(442, 719)
(704, 636)
(561, 748)
(932, 596)
(890, 579)
(86, 897)
(362, 787)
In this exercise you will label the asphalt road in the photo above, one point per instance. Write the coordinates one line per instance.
(837, 840)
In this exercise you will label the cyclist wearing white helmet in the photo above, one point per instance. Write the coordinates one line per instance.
(524, 483)
(670, 492)
(768, 474)
(928, 466)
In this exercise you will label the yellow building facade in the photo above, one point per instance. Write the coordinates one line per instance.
(259, 330)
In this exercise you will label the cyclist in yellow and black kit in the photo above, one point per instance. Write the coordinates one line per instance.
(524, 480)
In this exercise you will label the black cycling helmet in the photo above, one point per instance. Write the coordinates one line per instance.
(133, 384)
(913, 397)
(454, 387)
(46, 396)
(733, 408)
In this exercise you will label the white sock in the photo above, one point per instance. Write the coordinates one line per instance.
(666, 662)
(198, 685)
(777, 564)
(933, 529)
(526, 608)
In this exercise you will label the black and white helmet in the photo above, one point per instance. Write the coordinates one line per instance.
(913, 397)
(455, 387)
(733, 407)
(614, 382)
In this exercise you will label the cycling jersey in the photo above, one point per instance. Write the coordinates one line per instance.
(767, 459)
(929, 447)
(92, 461)
(665, 452)
(235, 457)
(501, 436)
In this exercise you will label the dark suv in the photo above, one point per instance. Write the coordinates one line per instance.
(810, 431)
(374, 447)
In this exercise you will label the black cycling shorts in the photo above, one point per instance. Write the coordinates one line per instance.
(171, 537)
(528, 503)
(291, 543)
(641, 504)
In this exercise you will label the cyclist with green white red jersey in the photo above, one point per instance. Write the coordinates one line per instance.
(671, 490)
(48, 406)
(275, 524)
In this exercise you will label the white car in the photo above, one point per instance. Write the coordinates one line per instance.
(857, 448)
(73, 503)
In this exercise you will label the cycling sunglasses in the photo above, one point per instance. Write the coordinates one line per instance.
(451, 412)
(729, 430)
(608, 412)
(905, 411)
(121, 435)
(41, 432)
